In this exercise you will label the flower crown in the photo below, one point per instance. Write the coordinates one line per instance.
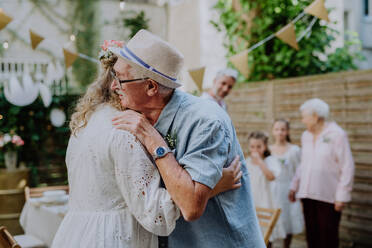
(105, 53)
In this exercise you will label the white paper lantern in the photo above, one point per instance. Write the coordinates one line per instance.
(57, 117)
(46, 94)
(51, 74)
(18, 95)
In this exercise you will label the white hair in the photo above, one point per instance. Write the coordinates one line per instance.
(227, 72)
(164, 90)
(316, 106)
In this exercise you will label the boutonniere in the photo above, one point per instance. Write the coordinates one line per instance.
(171, 139)
(326, 140)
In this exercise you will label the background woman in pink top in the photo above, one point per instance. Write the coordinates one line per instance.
(325, 177)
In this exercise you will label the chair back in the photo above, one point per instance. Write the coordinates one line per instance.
(38, 192)
(267, 218)
(6, 239)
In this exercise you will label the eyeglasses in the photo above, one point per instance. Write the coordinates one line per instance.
(113, 74)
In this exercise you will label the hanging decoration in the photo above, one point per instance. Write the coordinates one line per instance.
(70, 57)
(240, 61)
(57, 117)
(21, 95)
(4, 19)
(45, 94)
(286, 34)
(35, 39)
(198, 76)
(318, 9)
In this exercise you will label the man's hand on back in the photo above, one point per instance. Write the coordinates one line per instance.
(139, 126)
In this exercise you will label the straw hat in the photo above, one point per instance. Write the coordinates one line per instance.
(153, 58)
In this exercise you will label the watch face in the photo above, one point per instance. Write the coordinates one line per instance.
(160, 151)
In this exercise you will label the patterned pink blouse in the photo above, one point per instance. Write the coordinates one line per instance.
(326, 171)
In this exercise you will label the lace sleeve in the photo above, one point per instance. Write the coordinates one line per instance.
(139, 182)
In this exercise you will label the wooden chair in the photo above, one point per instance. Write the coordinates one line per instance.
(38, 192)
(7, 240)
(267, 218)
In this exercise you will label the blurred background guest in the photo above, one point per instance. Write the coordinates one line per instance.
(324, 179)
(222, 85)
(289, 157)
(263, 171)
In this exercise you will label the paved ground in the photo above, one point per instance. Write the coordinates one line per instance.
(297, 242)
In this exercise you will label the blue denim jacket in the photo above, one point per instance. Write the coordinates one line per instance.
(207, 142)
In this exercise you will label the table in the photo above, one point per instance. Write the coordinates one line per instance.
(42, 220)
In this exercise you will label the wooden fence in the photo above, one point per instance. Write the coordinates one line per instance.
(254, 106)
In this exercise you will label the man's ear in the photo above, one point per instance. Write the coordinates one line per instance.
(152, 87)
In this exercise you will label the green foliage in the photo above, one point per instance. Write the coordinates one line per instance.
(84, 20)
(130, 22)
(45, 144)
(136, 23)
(275, 59)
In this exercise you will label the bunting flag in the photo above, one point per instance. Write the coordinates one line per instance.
(198, 76)
(70, 57)
(287, 34)
(318, 9)
(240, 61)
(4, 19)
(35, 39)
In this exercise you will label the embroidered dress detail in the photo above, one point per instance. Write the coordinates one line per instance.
(115, 199)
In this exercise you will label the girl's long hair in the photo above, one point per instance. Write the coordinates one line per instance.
(265, 139)
(97, 93)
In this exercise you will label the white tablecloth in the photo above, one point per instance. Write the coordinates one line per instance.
(41, 220)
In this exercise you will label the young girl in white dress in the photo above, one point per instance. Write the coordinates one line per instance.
(289, 156)
(263, 170)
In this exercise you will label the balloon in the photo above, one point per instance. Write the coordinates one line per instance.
(18, 95)
(57, 117)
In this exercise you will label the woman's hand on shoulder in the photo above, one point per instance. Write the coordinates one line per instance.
(230, 179)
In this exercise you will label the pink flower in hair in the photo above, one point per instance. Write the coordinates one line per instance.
(111, 43)
(105, 53)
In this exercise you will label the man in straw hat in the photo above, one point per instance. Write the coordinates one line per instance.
(199, 140)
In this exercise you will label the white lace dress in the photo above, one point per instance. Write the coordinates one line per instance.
(291, 215)
(261, 189)
(115, 199)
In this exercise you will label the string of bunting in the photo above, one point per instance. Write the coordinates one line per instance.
(286, 34)
(36, 39)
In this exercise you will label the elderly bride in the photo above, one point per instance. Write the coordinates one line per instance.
(115, 197)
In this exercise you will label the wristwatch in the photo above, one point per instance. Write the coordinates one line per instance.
(160, 152)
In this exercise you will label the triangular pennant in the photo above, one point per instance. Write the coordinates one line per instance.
(288, 35)
(4, 19)
(35, 39)
(240, 61)
(198, 76)
(318, 9)
(70, 57)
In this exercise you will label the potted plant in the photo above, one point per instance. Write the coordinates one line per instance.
(10, 143)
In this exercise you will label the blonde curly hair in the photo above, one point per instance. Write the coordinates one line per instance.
(97, 93)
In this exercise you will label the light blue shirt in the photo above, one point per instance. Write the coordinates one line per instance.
(207, 142)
